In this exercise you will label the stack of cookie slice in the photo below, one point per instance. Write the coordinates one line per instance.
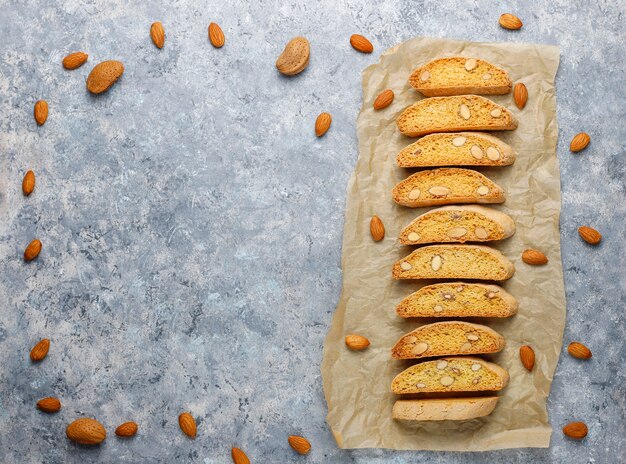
(457, 385)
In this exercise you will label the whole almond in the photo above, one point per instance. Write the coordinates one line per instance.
(361, 44)
(40, 350)
(520, 95)
(576, 430)
(589, 235)
(157, 34)
(187, 424)
(28, 184)
(357, 342)
(299, 444)
(377, 229)
(32, 250)
(127, 429)
(239, 457)
(49, 405)
(527, 356)
(509, 21)
(295, 57)
(41, 112)
(579, 142)
(578, 350)
(104, 75)
(384, 99)
(322, 124)
(534, 257)
(216, 35)
(86, 431)
(75, 60)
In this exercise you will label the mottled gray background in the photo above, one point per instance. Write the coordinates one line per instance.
(192, 222)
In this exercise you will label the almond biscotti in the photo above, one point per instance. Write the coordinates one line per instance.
(454, 262)
(456, 149)
(444, 409)
(454, 114)
(458, 299)
(459, 76)
(455, 374)
(445, 186)
(458, 224)
(447, 338)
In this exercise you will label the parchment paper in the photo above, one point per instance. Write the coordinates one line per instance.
(357, 384)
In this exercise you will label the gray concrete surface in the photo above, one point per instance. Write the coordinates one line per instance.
(192, 222)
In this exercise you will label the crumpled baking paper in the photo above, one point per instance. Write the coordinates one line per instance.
(357, 384)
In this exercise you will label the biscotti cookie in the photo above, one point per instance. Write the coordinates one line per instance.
(458, 224)
(444, 409)
(454, 114)
(454, 262)
(458, 299)
(447, 338)
(456, 149)
(444, 186)
(459, 76)
(456, 374)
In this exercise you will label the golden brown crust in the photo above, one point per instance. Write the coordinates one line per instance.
(454, 262)
(458, 224)
(454, 114)
(456, 149)
(462, 186)
(451, 76)
(458, 299)
(447, 338)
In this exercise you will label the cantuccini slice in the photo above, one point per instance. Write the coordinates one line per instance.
(444, 409)
(459, 75)
(444, 186)
(458, 224)
(447, 338)
(452, 374)
(454, 262)
(454, 114)
(458, 299)
(456, 149)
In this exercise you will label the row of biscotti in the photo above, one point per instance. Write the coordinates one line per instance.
(454, 225)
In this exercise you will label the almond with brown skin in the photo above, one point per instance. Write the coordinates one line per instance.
(49, 405)
(361, 44)
(32, 250)
(357, 342)
(322, 124)
(377, 229)
(86, 431)
(534, 257)
(216, 35)
(40, 350)
(589, 235)
(157, 34)
(75, 60)
(295, 57)
(127, 429)
(520, 95)
(576, 430)
(527, 356)
(578, 350)
(300, 444)
(41, 112)
(239, 457)
(28, 184)
(104, 75)
(511, 22)
(384, 99)
(187, 424)
(579, 142)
